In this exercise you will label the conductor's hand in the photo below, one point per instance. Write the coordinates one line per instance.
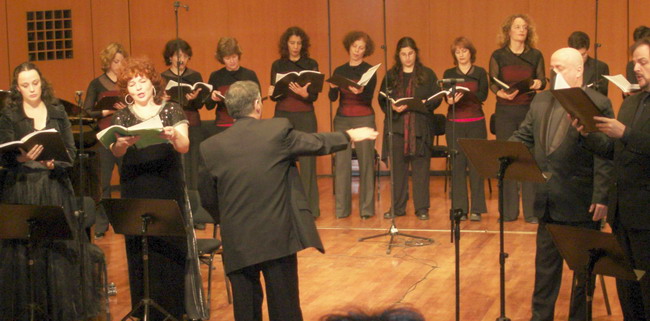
(31, 155)
(599, 211)
(362, 133)
(610, 126)
(502, 93)
(298, 90)
(193, 95)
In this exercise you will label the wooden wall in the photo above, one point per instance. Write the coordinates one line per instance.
(144, 26)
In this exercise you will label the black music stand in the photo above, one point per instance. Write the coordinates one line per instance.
(33, 223)
(593, 252)
(502, 160)
(145, 217)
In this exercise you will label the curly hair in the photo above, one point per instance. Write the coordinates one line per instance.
(504, 35)
(16, 98)
(353, 36)
(227, 46)
(393, 314)
(463, 42)
(176, 45)
(108, 54)
(418, 70)
(284, 39)
(144, 68)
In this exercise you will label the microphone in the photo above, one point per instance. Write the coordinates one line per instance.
(177, 4)
(450, 81)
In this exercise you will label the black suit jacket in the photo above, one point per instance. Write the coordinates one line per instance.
(249, 182)
(590, 76)
(575, 177)
(630, 191)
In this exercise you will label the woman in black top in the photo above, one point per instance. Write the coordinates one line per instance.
(411, 143)
(23, 180)
(467, 120)
(298, 105)
(355, 110)
(516, 60)
(177, 54)
(229, 54)
(112, 58)
(156, 172)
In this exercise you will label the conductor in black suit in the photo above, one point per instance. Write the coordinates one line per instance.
(249, 182)
(626, 140)
(575, 192)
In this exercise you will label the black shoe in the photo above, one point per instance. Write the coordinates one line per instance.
(476, 217)
(507, 220)
(463, 217)
(422, 215)
(388, 216)
(363, 217)
(343, 216)
(532, 220)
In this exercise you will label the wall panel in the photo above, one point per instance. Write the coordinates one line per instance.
(110, 23)
(5, 77)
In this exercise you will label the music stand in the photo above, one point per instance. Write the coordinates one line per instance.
(502, 160)
(593, 252)
(145, 217)
(33, 223)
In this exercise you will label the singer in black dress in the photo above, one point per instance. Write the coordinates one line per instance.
(355, 110)
(516, 60)
(177, 55)
(57, 268)
(156, 172)
(229, 54)
(298, 106)
(467, 120)
(112, 58)
(411, 137)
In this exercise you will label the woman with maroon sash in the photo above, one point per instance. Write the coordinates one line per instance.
(466, 120)
(112, 58)
(516, 60)
(355, 110)
(298, 105)
(229, 54)
(411, 137)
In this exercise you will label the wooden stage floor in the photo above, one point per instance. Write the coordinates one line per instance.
(356, 274)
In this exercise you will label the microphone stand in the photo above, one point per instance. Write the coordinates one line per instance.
(80, 213)
(177, 5)
(596, 45)
(392, 230)
(454, 213)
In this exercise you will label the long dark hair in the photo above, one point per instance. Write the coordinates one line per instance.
(418, 69)
(16, 98)
(284, 39)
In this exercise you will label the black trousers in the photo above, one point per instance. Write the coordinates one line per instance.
(419, 175)
(508, 119)
(635, 296)
(281, 282)
(106, 162)
(548, 276)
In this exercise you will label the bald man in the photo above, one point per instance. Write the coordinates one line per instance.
(576, 192)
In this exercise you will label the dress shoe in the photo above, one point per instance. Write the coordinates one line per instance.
(532, 220)
(387, 215)
(342, 216)
(463, 217)
(366, 216)
(423, 215)
(507, 220)
(476, 217)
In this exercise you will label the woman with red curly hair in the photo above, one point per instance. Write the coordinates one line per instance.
(156, 172)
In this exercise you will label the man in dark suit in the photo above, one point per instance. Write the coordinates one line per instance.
(627, 142)
(580, 41)
(576, 188)
(250, 184)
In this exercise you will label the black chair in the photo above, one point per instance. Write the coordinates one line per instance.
(438, 150)
(207, 247)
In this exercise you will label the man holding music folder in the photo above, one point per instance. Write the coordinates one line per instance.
(575, 192)
(626, 140)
